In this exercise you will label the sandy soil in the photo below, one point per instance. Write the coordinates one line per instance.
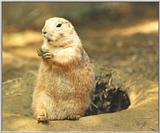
(130, 52)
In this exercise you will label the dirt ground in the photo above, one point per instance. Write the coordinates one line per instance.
(129, 51)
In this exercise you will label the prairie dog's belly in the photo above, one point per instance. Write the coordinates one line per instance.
(57, 83)
(66, 94)
(65, 84)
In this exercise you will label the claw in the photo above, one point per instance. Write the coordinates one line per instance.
(47, 56)
(42, 120)
(39, 52)
(42, 117)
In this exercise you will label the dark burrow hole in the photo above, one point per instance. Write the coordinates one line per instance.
(107, 98)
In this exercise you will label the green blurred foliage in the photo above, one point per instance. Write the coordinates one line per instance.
(19, 16)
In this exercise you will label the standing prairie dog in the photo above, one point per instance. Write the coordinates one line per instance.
(66, 78)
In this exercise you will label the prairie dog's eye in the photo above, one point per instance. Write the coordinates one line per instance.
(58, 25)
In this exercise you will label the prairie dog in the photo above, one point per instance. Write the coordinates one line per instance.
(66, 78)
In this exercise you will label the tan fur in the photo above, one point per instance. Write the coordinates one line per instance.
(66, 78)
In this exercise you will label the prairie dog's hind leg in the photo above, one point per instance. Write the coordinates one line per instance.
(39, 104)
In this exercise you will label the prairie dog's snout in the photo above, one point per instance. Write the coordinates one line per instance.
(47, 35)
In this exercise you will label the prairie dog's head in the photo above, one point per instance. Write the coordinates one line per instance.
(58, 32)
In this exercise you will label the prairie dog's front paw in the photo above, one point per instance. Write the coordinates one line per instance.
(48, 56)
(41, 51)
